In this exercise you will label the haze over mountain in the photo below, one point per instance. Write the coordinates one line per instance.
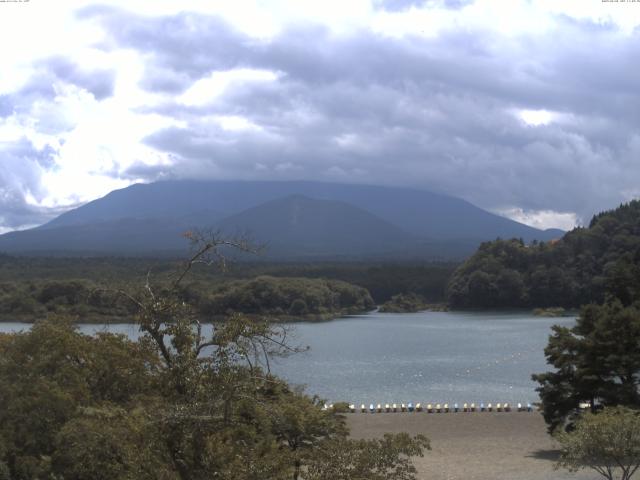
(296, 219)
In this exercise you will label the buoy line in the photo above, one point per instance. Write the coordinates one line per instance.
(436, 408)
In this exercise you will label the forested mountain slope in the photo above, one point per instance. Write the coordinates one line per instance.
(586, 265)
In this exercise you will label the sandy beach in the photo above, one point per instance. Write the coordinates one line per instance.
(474, 446)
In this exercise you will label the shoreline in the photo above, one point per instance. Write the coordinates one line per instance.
(474, 446)
(284, 318)
(112, 320)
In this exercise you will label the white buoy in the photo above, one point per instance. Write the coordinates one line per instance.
(387, 408)
(465, 407)
(473, 407)
(363, 408)
(395, 407)
(438, 408)
(352, 408)
(403, 407)
(519, 407)
(446, 408)
(489, 407)
(379, 408)
(418, 407)
(506, 407)
(429, 408)
(498, 407)
(529, 407)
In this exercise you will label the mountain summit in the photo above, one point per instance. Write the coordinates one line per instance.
(296, 219)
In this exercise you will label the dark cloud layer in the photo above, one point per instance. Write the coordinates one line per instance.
(436, 112)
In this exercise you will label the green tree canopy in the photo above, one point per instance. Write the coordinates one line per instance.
(596, 361)
(607, 442)
(587, 265)
(174, 405)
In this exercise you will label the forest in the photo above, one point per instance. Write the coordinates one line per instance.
(587, 265)
(281, 297)
(33, 287)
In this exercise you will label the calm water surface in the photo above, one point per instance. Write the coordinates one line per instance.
(422, 357)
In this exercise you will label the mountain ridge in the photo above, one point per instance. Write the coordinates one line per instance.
(449, 226)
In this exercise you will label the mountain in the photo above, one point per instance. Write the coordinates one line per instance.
(128, 236)
(298, 225)
(149, 217)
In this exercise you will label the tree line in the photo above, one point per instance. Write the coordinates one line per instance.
(381, 279)
(587, 265)
(282, 297)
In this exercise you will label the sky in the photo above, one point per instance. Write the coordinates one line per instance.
(530, 109)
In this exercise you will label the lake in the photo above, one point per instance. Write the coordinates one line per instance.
(421, 357)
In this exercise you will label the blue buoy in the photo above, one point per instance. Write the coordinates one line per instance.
(410, 407)
(372, 409)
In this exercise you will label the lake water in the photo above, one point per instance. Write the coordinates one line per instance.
(422, 357)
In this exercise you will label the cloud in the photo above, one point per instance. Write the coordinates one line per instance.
(401, 5)
(398, 5)
(99, 82)
(53, 71)
(538, 120)
(542, 219)
(439, 113)
(20, 167)
(182, 48)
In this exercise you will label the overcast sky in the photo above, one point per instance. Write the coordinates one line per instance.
(526, 108)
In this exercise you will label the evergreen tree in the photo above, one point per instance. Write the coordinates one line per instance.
(597, 361)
